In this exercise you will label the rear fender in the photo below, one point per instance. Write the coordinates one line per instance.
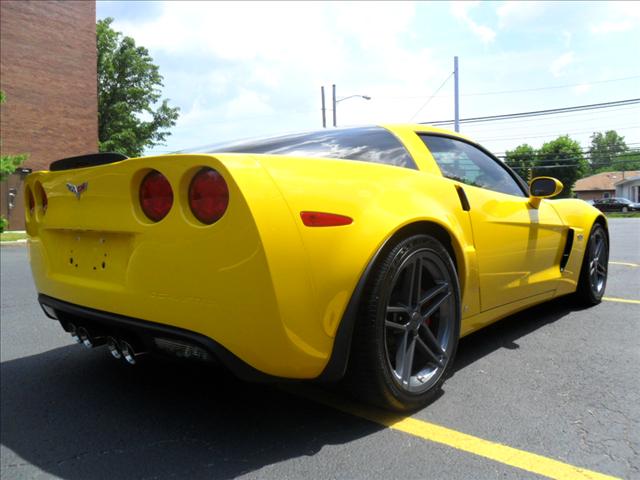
(340, 258)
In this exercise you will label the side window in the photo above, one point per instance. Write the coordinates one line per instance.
(467, 164)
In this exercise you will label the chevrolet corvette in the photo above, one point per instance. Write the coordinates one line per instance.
(358, 255)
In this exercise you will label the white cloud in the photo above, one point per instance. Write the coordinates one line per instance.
(512, 13)
(617, 17)
(460, 10)
(248, 103)
(250, 61)
(582, 88)
(559, 64)
(608, 27)
(254, 69)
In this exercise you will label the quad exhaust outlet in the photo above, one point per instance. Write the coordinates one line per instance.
(119, 348)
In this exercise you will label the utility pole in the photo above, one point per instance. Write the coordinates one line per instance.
(456, 94)
(324, 110)
(334, 104)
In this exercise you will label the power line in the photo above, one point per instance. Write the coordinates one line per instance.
(587, 151)
(536, 158)
(550, 87)
(431, 97)
(502, 92)
(536, 113)
(561, 119)
(631, 127)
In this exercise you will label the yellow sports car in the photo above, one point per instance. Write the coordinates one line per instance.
(360, 254)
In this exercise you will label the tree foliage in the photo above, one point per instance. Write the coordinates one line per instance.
(9, 163)
(629, 160)
(521, 159)
(605, 148)
(561, 158)
(131, 116)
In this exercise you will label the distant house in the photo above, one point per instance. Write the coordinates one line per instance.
(629, 188)
(604, 185)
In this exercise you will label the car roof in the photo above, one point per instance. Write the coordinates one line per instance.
(423, 128)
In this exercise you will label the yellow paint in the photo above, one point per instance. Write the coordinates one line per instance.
(531, 462)
(626, 264)
(622, 300)
(259, 282)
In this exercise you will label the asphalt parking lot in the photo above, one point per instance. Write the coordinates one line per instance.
(559, 386)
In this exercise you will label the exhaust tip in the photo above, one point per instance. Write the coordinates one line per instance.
(73, 331)
(85, 338)
(128, 353)
(114, 350)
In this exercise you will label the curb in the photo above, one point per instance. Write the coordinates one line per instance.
(14, 242)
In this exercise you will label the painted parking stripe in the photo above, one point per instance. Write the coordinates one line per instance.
(622, 300)
(626, 264)
(531, 462)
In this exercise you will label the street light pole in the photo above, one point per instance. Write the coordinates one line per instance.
(456, 105)
(324, 110)
(334, 104)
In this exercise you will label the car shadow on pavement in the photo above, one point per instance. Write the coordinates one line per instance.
(506, 332)
(78, 414)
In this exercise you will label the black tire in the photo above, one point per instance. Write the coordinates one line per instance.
(408, 325)
(594, 270)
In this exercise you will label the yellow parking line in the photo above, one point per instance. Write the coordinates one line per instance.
(623, 300)
(530, 462)
(628, 264)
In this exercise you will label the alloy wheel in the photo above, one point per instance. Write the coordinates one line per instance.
(419, 322)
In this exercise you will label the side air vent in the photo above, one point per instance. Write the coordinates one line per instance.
(90, 160)
(567, 249)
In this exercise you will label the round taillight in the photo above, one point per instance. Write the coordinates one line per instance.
(31, 201)
(156, 196)
(208, 195)
(43, 198)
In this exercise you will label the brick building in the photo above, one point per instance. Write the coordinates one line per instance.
(48, 73)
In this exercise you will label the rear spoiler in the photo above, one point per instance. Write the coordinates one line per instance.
(90, 160)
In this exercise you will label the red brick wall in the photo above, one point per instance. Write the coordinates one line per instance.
(48, 72)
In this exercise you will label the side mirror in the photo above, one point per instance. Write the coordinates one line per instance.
(543, 187)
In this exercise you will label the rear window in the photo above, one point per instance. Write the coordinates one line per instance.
(368, 144)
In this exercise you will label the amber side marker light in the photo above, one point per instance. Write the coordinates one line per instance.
(156, 196)
(322, 219)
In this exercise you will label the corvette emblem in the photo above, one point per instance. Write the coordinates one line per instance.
(77, 190)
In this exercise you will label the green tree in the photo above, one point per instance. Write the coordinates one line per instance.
(605, 148)
(128, 90)
(629, 160)
(9, 163)
(521, 159)
(561, 158)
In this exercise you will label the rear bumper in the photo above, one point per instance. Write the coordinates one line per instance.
(143, 333)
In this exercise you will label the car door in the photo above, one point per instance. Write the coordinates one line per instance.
(518, 247)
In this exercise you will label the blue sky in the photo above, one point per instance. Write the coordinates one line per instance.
(246, 69)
